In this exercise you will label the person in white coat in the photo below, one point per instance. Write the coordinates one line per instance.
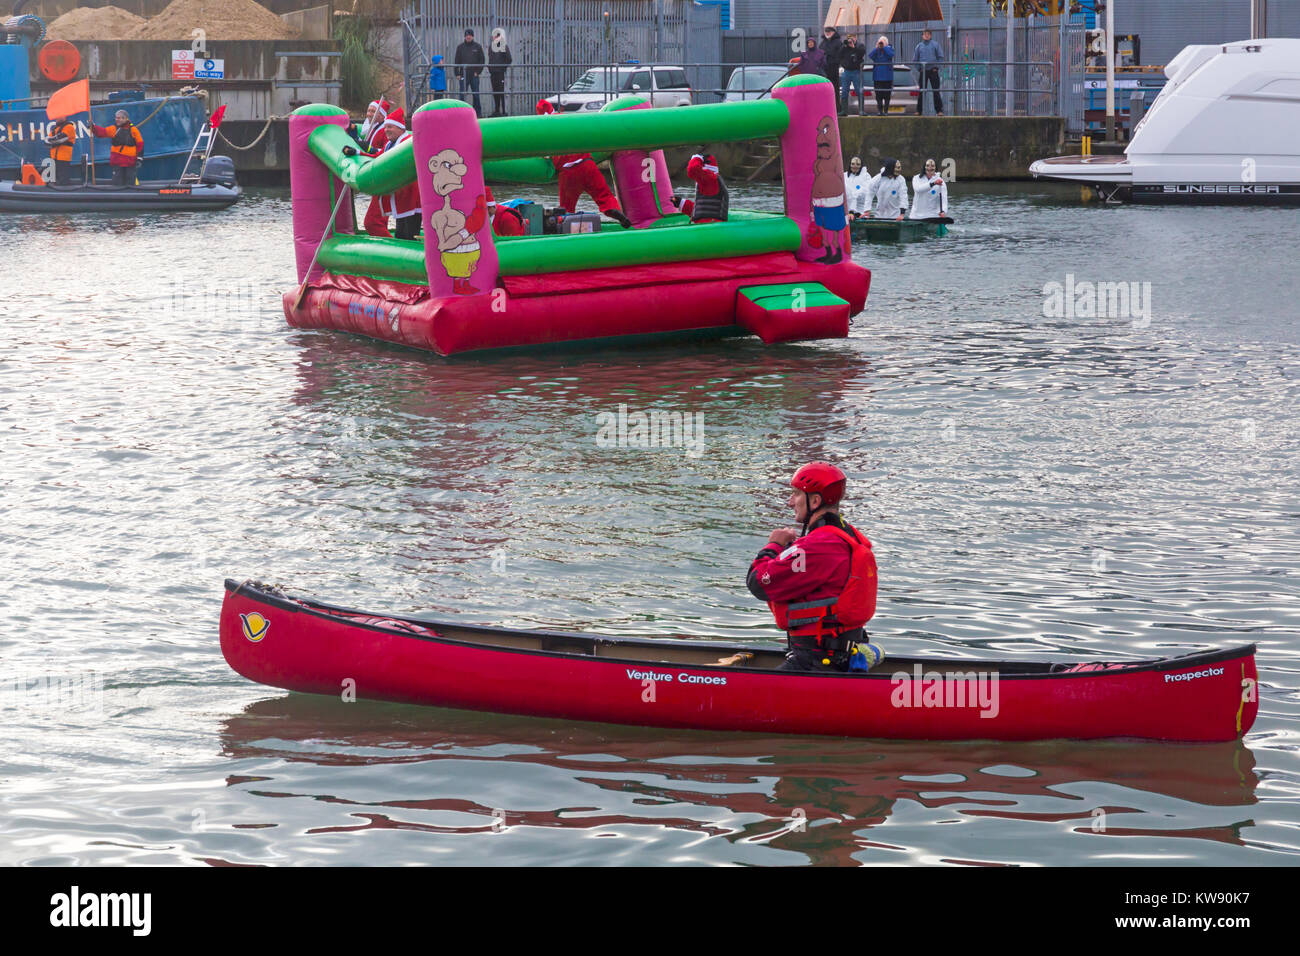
(857, 187)
(931, 194)
(889, 192)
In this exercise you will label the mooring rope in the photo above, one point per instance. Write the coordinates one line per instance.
(265, 129)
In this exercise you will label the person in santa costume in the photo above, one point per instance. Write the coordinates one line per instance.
(506, 220)
(404, 204)
(372, 133)
(711, 197)
(578, 174)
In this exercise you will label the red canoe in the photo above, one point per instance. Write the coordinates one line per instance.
(315, 648)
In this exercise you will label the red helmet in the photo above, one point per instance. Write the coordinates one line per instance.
(820, 478)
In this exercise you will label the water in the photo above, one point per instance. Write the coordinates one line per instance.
(1069, 488)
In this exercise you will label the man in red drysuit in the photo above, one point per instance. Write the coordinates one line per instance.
(820, 585)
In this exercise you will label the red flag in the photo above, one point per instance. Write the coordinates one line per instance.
(215, 119)
(69, 100)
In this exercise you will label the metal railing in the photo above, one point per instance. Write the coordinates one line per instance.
(1043, 55)
(967, 89)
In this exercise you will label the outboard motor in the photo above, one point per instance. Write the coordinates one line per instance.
(219, 171)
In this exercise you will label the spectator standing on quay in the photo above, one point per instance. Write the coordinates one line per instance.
(882, 74)
(851, 59)
(812, 61)
(469, 61)
(438, 78)
(498, 59)
(927, 57)
(832, 44)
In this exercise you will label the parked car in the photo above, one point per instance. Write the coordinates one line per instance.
(905, 92)
(753, 82)
(667, 86)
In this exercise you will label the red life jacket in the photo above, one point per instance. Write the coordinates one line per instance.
(850, 609)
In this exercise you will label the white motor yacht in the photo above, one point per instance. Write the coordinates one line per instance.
(1225, 129)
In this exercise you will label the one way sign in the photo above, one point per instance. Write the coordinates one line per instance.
(209, 69)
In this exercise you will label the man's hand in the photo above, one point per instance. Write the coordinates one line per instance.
(783, 537)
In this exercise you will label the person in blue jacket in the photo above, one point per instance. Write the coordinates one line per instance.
(438, 78)
(882, 74)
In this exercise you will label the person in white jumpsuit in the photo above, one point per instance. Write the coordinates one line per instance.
(931, 194)
(889, 194)
(857, 187)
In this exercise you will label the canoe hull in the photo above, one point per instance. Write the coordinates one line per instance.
(303, 648)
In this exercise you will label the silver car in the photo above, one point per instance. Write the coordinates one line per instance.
(753, 82)
(667, 86)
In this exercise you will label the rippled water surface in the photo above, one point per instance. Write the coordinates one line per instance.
(1067, 488)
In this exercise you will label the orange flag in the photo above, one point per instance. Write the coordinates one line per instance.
(71, 99)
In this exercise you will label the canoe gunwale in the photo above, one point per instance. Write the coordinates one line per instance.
(330, 612)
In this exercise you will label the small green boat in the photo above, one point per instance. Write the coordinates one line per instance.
(896, 230)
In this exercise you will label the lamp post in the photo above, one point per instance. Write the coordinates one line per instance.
(1110, 71)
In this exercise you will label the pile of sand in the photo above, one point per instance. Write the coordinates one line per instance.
(98, 23)
(220, 19)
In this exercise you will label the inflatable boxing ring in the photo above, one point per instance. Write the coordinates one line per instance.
(458, 288)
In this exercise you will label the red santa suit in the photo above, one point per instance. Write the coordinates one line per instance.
(375, 138)
(579, 174)
(403, 203)
(711, 196)
(505, 220)
(406, 201)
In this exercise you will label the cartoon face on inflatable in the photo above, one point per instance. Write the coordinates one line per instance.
(448, 170)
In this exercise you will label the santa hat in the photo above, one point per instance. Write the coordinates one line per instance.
(487, 192)
(396, 119)
(373, 105)
(708, 161)
(544, 107)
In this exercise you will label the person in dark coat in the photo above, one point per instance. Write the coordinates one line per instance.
(469, 62)
(851, 60)
(812, 62)
(498, 59)
(832, 44)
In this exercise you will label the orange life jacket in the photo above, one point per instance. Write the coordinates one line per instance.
(127, 142)
(62, 152)
(828, 618)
